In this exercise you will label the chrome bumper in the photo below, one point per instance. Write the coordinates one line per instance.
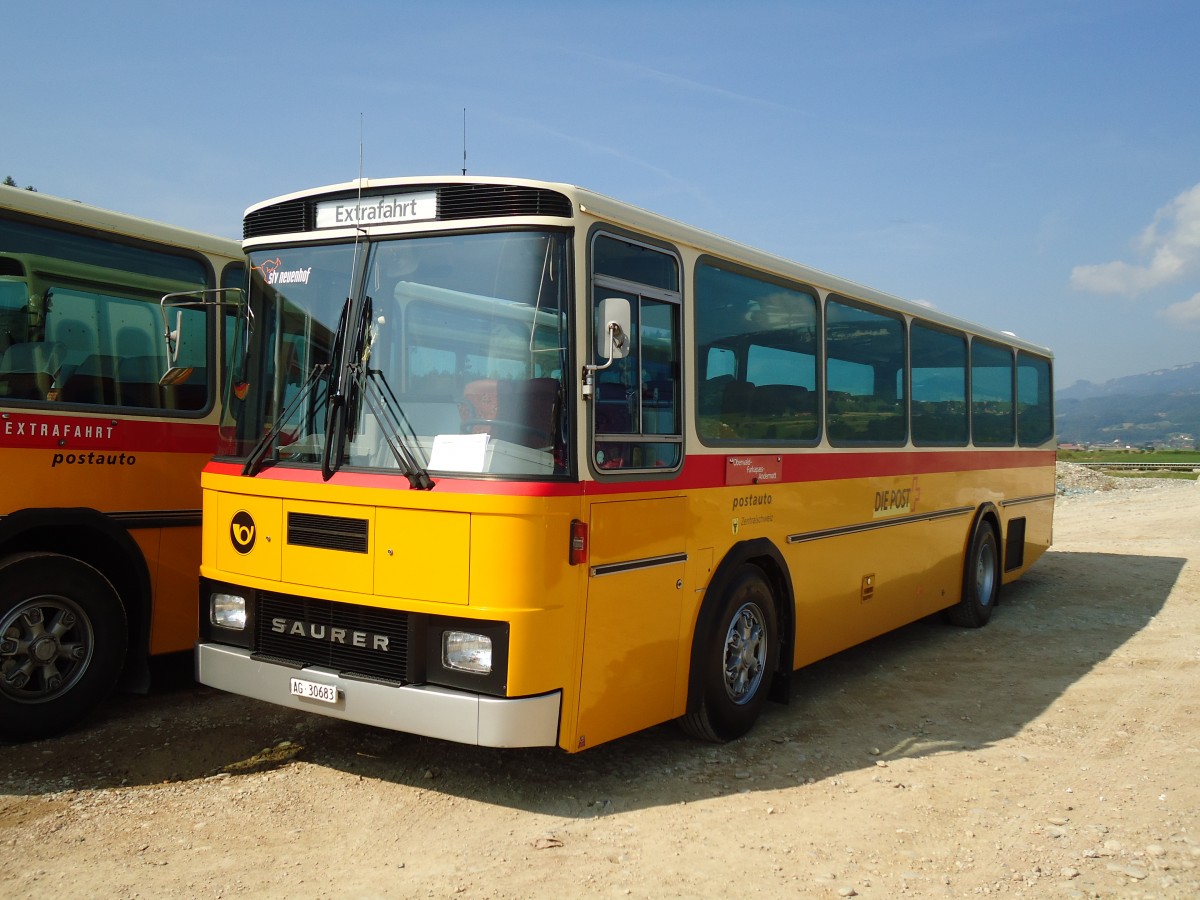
(427, 710)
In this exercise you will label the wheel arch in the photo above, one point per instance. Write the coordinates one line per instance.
(96, 539)
(990, 513)
(762, 553)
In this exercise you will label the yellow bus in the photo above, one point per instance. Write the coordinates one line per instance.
(516, 464)
(101, 460)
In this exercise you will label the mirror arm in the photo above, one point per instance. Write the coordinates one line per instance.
(615, 339)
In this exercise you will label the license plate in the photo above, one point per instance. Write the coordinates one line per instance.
(311, 690)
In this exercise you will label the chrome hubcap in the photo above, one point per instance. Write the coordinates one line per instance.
(745, 653)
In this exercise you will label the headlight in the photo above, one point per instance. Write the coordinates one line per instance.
(467, 652)
(228, 611)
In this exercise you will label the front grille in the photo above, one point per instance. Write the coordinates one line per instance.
(354, 640)
(327, 532)
(455, 201)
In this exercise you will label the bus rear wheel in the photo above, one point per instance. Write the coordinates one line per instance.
(62, 643)
(981, 579)
(738, 659)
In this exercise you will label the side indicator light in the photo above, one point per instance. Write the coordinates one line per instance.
(579, 543)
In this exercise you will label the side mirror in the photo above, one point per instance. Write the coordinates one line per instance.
(612, 328)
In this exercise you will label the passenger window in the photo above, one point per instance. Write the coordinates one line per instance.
(992, 421)
(864, 375)
(758, 383)
(939, 387)
(102, 349)
(1035, 411)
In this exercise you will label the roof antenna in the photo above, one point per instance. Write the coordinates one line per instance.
(464, 140)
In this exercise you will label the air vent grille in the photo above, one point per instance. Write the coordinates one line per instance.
(327, 532)
(469, 201)
(282, 218)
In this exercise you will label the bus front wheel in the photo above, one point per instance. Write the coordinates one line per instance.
(981, 579)
(62, 643)
(738, 659)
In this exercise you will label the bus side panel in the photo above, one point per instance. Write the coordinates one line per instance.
(173, 624)
(882, 567)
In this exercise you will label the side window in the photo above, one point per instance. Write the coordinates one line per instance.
(864, 375)
(80, 321)
(757, 378)
(636, 402)
(939, 387)
(1035, 412)
(112, 352)
(992, 422)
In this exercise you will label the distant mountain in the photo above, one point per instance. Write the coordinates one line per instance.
(1184, 378)
(1161, 407)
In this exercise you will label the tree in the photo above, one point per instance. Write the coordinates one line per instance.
(11, 182)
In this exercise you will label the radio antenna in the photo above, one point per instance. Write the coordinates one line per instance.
(464, 140)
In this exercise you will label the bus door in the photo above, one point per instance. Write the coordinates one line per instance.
(636, 585)
(637, 565)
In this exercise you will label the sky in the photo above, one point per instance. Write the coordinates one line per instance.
(1029, 166)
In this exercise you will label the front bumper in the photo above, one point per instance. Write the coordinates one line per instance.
(427, 710)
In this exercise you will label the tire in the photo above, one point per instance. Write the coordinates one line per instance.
(738, 659)
(63, 639)
(981, 579)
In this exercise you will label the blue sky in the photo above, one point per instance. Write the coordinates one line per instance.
(1032, 166)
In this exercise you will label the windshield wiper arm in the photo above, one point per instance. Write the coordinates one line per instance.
(259, 453)
(335, 415)
(398, 432)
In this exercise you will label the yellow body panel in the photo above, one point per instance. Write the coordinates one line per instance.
(254, 545)
(422, 555)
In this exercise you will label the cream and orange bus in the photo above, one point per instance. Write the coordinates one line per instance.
(101, 460)
(516, 464)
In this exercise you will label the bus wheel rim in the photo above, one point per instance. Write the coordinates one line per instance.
(745, 657)
(985, 574)
(46, 644)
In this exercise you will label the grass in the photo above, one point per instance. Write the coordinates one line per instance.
(1130, 456)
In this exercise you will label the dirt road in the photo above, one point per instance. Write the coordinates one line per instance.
(1054, 753)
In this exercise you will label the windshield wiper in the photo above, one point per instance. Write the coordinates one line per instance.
(259, 453)
(398, 433)
(333, 452)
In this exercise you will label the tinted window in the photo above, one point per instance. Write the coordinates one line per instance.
(864, 375)
(1035, 411)
(939, 387)
(992, 422)
(758, 359)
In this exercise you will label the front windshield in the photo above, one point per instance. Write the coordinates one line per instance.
(444, 353)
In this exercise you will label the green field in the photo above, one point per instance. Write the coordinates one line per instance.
(1130, 456)
(1136, 456)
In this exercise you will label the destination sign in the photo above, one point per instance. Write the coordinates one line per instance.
(393, 209)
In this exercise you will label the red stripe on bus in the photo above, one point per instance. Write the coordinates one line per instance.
(30, 431)
(699, 471)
